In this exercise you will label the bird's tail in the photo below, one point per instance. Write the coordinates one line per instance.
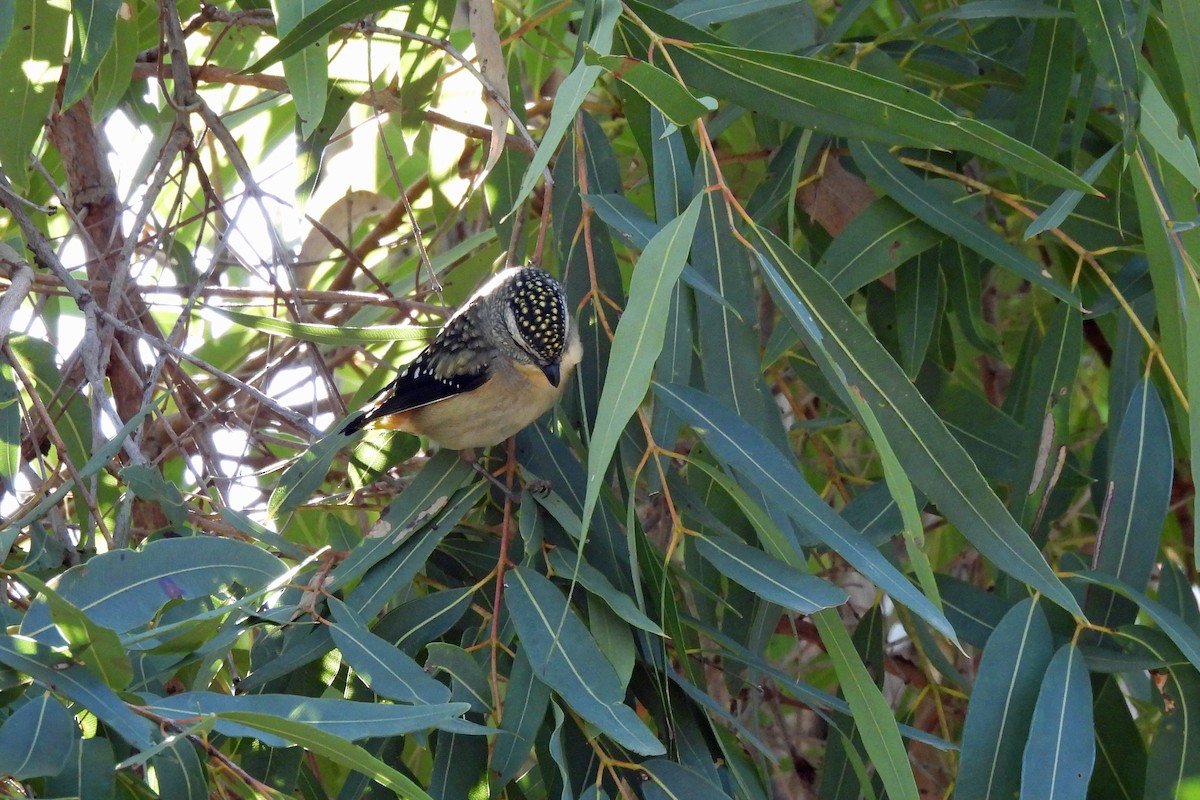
(356, 424)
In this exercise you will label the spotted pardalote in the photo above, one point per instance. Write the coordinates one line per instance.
(498, 364)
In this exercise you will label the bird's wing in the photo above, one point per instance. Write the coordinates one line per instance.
(455, 362)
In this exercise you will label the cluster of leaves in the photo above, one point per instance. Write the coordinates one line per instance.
(887, 308)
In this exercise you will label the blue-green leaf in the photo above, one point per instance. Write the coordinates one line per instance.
(1002, 703)
(935, 461)
(768, 577)
(565, 656)
(1061, 749)
(637, 343)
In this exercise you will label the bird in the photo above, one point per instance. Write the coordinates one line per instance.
(500, 362)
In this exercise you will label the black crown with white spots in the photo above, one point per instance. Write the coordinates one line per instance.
(539, 309)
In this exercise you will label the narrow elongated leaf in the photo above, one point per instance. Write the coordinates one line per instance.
(1183, 26)
(1066, 202)
(94, 645)
(304, 476)
(1002, 703)
(318, 24)
(30, 66)
(525, 702)
(935, 461)
(325, 334)
(331, 746)
(770, 578)
(908, 190)
(565, 656)
(677, 782)
(709, 12)
(1047, 81)
(765, 467)
(396, 571)
(95, 22)
(840, 100)
(37, 739)
(594, 581)
(879, 239)
(569, 97)
(1061, 751)
(637, 343)
(123, 589)
(873, 716)
(1140, 474)
(78, 684)
(345, 719)
(417, 506)
(1108, 29)
(10, 431)
(661, 90)
(387, 670)
(1182, 635)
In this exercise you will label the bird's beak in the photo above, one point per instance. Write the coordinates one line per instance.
(552, 374)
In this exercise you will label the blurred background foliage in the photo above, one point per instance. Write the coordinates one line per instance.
(875, 480)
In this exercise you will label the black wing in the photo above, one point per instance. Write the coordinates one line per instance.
(452, 364)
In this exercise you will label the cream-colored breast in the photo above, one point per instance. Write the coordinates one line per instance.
(513, 397)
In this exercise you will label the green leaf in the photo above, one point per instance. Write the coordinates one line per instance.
(902, 491)
(97, 647)
(768, 470)
(325, 334)
(344, 719)
(1161, 129)
(840, 100)
(1183, 27)
(10, 431)
(334, 747)
(306, 71)
(770, 578)
(879, 239)
(1109, 28)
(661, 90)
(909, 191)
(1136, 501)
(124, 589)
(1002, 704)
(594, 581)
(469, 683)
(709, 12)
(179, 772)
(78, 684)
(30, 67)
(935, 461)
(95, 22)
(319, 24)
(305, 475)
(37, 739)
(671, 781)
(1182, 635)
(873, 717)
(637, 343)
(149, 484)
(525, 702)
(566, 658)
(115, 71)
(1061, 751)
(570, 96)
(387, 670)
(90, 773)
(1062, 207)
